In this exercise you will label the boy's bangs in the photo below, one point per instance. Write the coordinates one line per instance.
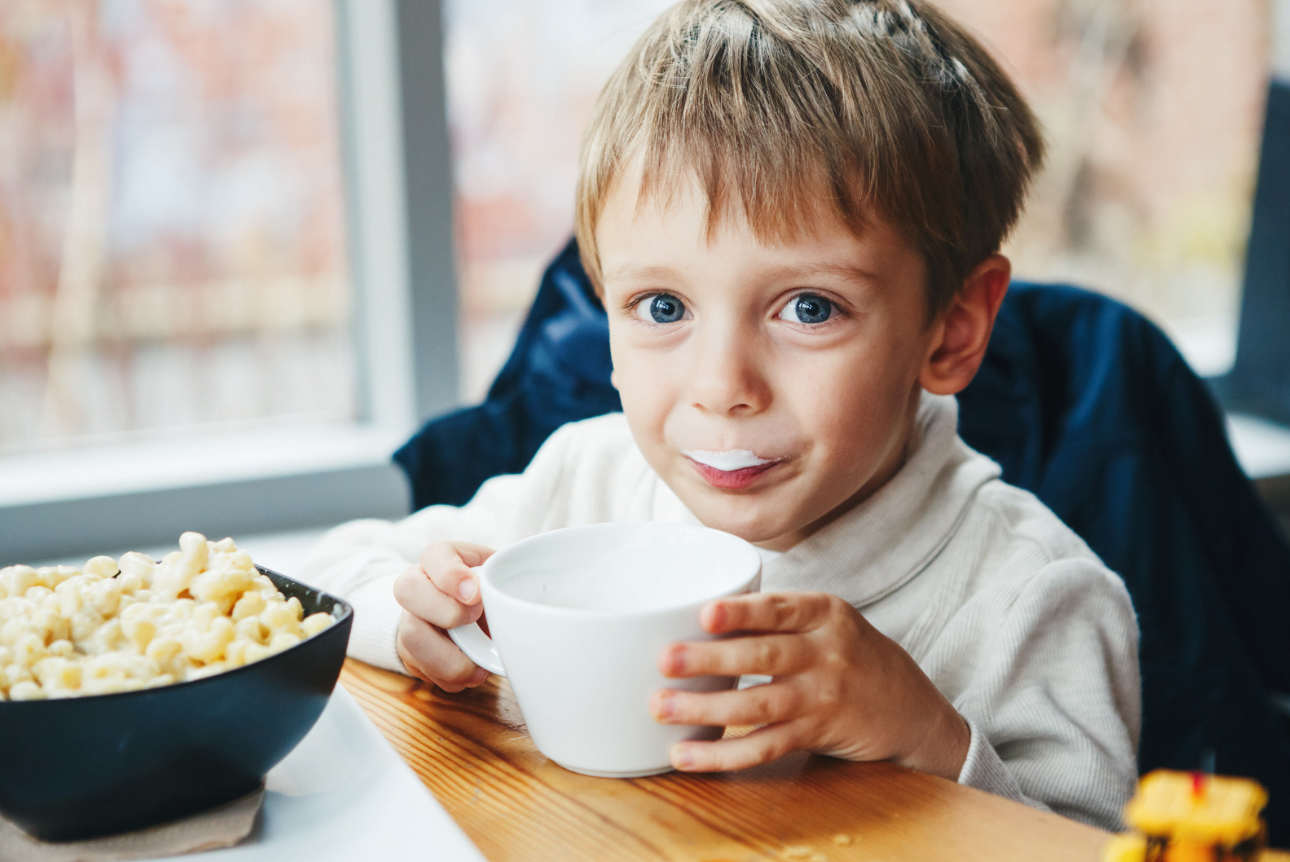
(793, 113)
(776, 126)
(781, 194)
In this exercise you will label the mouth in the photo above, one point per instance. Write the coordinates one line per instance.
(732, 469)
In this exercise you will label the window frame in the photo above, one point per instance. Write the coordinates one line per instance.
(398, 182)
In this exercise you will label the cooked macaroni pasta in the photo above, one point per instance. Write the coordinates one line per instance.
(121, 625)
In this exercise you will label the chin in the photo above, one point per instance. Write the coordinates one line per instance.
(750, 526)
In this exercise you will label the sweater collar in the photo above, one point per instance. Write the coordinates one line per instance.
(893, 535)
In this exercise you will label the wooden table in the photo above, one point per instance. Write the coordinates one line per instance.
(473, 752)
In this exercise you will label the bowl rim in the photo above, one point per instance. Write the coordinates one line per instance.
(346, 615)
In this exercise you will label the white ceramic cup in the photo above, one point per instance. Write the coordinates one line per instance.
(578, 617)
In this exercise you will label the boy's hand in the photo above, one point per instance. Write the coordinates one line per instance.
(840, 687)
(440, 593)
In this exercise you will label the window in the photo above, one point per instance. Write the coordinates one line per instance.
(174, 214)
(521, 80)
(1153, 115)
(231, 241)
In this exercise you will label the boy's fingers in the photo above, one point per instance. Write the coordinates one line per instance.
(772, 703)
(772, 655)
(418, 596)
(468, 552)
(448, 566)
(766, 612)
(429, 654)
(760, 746)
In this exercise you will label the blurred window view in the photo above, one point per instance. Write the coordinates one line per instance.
(172, 253)
(1152, 111)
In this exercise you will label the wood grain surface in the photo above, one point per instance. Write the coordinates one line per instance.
(474, 754)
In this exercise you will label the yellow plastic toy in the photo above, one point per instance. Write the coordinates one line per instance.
(1192, 817)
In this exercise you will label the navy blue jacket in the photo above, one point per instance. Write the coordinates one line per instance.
(1083, 402)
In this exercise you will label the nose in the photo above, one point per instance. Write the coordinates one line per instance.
(727, 377)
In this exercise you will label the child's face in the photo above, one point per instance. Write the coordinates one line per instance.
(772, 387)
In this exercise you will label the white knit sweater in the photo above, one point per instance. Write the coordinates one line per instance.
(1007, 611)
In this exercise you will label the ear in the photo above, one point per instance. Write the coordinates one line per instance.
(962, 331)
(613, 378)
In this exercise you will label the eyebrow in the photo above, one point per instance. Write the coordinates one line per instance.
(839, 270)
(786, 272)
(637, 271)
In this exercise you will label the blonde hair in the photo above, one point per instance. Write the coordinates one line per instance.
(795, 110)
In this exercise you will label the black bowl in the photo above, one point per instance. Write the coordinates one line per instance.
(87, 766)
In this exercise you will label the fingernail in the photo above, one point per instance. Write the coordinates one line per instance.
(666, 706)
(481, 674)
(681, 757)
(467, 589)
(675, 660)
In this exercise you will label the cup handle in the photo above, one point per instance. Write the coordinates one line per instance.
(478, 647)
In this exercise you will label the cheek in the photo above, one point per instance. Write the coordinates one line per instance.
(844, 425)
(644, 386)
(855, 405)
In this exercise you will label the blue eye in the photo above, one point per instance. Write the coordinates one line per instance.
(807, 308)
(661, 308)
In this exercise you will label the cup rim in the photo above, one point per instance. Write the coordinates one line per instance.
(737, 544)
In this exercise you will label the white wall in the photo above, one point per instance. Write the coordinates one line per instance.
(1281, 39)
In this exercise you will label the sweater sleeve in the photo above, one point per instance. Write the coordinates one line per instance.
(358, 561)
(1054, 704)
(985, 770)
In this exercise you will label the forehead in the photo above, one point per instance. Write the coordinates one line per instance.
(641, 227)
(777, 210)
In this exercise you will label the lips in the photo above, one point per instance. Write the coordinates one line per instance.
(732, 479)
(731, 469)
(727, 460)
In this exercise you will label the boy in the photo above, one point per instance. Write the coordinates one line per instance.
(792, 212)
